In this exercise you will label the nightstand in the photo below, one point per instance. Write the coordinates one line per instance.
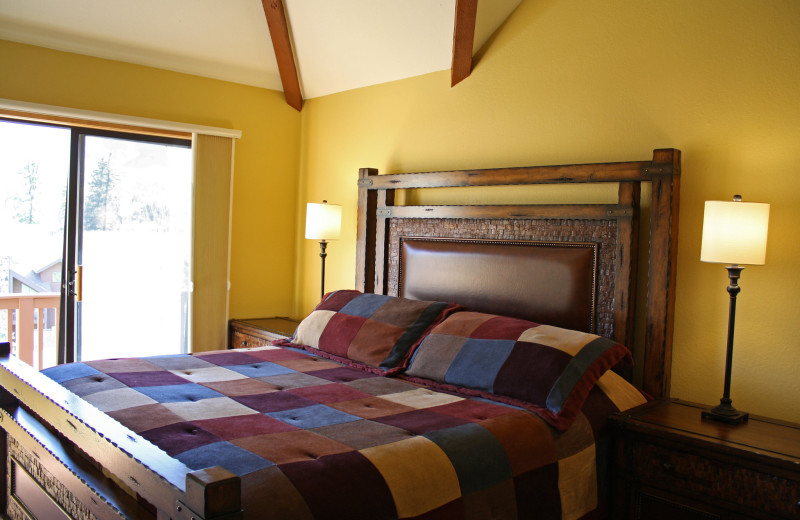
(258, 332)
(669, 463)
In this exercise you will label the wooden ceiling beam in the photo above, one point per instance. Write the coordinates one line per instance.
(463, 37)
(282, 43)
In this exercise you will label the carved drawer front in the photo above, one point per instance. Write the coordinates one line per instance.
(241, 340)
(650, 507)
(33, 491)
(664, 468)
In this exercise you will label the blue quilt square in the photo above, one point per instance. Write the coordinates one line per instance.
(574, 372)
(233, 458)
(314, 416)
(260, 369)
(477, 363)
(365, 305)
(62, 373)
(83, 386)
(178, 393)
(225, 358)
(477, 456)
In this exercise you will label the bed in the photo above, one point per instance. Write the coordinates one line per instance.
(468, 374)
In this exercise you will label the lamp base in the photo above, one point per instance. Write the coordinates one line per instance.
(726, 413)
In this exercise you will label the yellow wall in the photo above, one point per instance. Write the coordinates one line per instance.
(575, 81)
(266, 157)
(562, 81)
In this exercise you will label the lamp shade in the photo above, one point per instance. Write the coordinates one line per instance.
(323, 221)
(735, 232)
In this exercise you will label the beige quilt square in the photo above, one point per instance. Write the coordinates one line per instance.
(577, 483)
(117, 399)
(311, 328)
(208, 408)
(569, 341)
(421, 398)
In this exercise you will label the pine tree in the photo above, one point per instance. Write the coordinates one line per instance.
(24, 201)
(101, 204)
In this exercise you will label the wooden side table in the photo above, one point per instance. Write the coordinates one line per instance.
(669, 463)
(258, 332)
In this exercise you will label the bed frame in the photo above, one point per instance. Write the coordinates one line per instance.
(64, 457)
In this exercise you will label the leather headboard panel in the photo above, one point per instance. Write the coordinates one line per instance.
(545, 282)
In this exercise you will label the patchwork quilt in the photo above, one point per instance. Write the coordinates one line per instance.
(314, 439)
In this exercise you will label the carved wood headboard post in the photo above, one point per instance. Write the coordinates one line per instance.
(365, 230)
(664, 172)
(626, 265)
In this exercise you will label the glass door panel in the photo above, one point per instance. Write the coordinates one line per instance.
(134, 247)
(34, 167)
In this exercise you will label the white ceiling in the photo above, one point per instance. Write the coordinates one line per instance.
(339, 44)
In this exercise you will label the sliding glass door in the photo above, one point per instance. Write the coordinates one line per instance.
(133, 247)
(112, 214)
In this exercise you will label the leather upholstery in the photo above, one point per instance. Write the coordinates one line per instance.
(544, 282)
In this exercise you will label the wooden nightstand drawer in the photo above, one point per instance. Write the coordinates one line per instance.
(668, 462)
(242, 340)
(706, 477)
(258, 332)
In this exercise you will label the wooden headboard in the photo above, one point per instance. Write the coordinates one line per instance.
(570, 265)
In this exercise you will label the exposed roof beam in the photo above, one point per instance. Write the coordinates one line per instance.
(282, 43)
(463, 36)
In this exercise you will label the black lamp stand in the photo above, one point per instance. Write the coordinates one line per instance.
(323, 244)
(725, 411)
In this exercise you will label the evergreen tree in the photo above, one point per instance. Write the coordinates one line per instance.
(101, 206)
(153, 213)
(24, 200)
(63, 212)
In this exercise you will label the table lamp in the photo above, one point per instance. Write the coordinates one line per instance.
(734, 233)
(323, 223)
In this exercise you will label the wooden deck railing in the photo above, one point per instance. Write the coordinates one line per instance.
(28, 325)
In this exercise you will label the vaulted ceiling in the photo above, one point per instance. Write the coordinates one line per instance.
(334, 45)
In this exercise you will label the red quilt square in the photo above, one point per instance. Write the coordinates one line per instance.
(501, 327)
(339, 333)
(179, 437)
(336, 300)
(149, 378)
(514, 378)
(374, 342)
(421, 421)
(229, 428)
(273, 401)
(294, 446)
(331, 393)
(474, 411)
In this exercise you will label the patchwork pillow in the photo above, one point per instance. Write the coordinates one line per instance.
(368, 330)
(546, 369)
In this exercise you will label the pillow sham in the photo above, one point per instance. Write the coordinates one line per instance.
(546, 369)
(376, 331)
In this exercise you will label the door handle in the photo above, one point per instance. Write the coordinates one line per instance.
(79, 283)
